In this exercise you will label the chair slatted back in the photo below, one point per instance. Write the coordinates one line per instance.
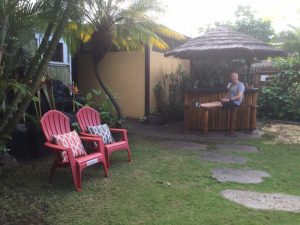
(88, 116)
(54, 122)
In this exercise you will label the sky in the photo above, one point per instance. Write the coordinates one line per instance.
(187, 16)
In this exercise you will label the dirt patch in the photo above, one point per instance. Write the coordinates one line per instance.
(242, 176)
(264, 201)
(283, 132)
(237, 148)
(184, 145)
(219, 157)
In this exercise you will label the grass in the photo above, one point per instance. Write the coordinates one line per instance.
(160, 186)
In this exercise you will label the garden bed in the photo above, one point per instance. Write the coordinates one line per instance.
(284, 132)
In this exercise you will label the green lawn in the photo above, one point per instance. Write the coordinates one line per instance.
(160, 186)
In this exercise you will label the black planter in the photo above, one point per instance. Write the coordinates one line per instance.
(27, 142)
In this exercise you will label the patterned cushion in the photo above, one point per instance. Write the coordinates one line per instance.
(71, 140)
(103, 131)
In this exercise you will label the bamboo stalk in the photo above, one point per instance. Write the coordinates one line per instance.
(218, 119)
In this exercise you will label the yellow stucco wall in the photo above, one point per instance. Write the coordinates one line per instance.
(159, 64)
(123, 73)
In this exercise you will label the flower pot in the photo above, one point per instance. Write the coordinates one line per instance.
(27, 142)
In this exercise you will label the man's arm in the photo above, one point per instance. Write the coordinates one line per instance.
(241, 90)
(225, 98)
(238, 96)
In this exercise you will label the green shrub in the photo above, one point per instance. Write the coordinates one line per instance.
(99, 101)
(214, 73)
(280, 98)
(169, 95)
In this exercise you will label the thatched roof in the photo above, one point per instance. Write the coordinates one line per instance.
(223, 42)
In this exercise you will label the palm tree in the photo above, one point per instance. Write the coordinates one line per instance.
(22, 15)
(127, 25)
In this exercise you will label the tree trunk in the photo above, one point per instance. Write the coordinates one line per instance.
(3, 31)
(14, 118)
(248, 76)
(1, 53)
(107, 92)
(32, 68)
(101, 43)
(30, 73)
(38, 54)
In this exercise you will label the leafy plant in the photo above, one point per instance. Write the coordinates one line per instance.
(75, 91)
(214, 73)
(47, 88)
(247, 22)
(3, 144)
(280, 98)
(290, 39)
(169, 94)
(18, 21)
(105, 106)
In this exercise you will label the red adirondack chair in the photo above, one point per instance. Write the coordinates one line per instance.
(54, 123)
(88, 116)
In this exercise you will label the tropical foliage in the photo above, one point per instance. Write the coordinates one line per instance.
(125, 24)
(99, 101)
(215, 73)
(98, 23)
(23, 71)
(169, 94)
(290, 39)
(246, 22)
(280, 97)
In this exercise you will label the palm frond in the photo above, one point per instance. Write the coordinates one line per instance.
(167, 32)
(131, 22)
(75, 34)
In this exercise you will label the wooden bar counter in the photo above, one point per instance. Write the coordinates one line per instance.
(218, 118)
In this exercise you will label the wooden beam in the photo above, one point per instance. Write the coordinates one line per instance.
(147, 80)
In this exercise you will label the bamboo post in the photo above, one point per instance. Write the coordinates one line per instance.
(248, 76)
(186, 112)
(253, 118)
(232, 120)
(205, 121)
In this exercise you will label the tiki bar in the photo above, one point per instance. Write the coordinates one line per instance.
(221, 43)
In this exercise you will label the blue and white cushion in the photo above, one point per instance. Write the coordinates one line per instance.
(103, 131)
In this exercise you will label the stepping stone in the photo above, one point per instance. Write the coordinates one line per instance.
(264, 201)
(237, 148)
(184, 145)
(241, 176)
(219, 157)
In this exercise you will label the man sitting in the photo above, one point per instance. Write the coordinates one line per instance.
(233, 98)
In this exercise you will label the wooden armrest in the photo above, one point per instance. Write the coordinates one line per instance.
(91, 139)
(98, 139)
(56, 147)
(118, 130)
(123, 133)
(84, 134)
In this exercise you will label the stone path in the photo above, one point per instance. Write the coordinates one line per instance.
(221, 157)
(264, 201)
(184, 145)
(237, 148)
(255, 200)
(224, 153)
(175, 131)
(242, 176)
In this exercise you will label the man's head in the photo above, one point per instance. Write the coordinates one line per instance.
(234, 77)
